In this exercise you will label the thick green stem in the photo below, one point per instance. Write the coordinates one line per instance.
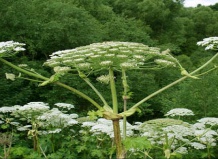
(125, 97)
(23, 70)
(79, 93)
(96, 91)
(172, 84)
(119, 147)
(113, 91)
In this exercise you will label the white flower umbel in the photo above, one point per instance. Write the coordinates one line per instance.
(57, 119)
(9, 109)
(207, 136)
(179, 112)
(31, 110)
(9, 48)
(104, 55)
(64, 105)
(104, 126)
(198, 145)
(212, 121)
(103, 79)
(210, 43)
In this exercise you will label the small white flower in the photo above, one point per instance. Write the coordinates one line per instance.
(182, 150)
(22, 65)
(88, 124)
(54, 131)
(165, 63)
(128, 65)
(61, 69)
(106, 63)
(104, 79)
(85, 65)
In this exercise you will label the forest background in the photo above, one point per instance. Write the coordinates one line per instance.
(52, 25)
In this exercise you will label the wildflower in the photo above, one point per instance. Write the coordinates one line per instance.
(64, 105)
(22, 65)
(106, 63)
(105, 126)
(212, 121)
(198, 145)
(84, 65)
(164, 63)
(88, 124)
(182, 150)
(9, 48)
(56, 118)
(54, 131)
(117, 54)
(34, 106)
(61, 69)
(9, 109)
(211, 43)
(104, 79)
(179, 112)
(128, 65)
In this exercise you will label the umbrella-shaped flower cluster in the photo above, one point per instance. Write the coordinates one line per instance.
(117, 55)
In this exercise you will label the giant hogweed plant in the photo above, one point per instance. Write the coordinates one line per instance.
(107, 57)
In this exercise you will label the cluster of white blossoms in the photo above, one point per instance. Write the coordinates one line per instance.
(106, 127)
(9, 109)
(8, 48)
(103, 79)
(64, 105)
(39, 115)
(179, 112)
(118, 55)
(210, 43)
(31, 110)
(56, 119)
(198, 136)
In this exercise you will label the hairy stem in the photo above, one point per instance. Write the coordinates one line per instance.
(79, 93)
(117, 138)
(23, 70)
(113, 91)
(125, 97)
(96, 91)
